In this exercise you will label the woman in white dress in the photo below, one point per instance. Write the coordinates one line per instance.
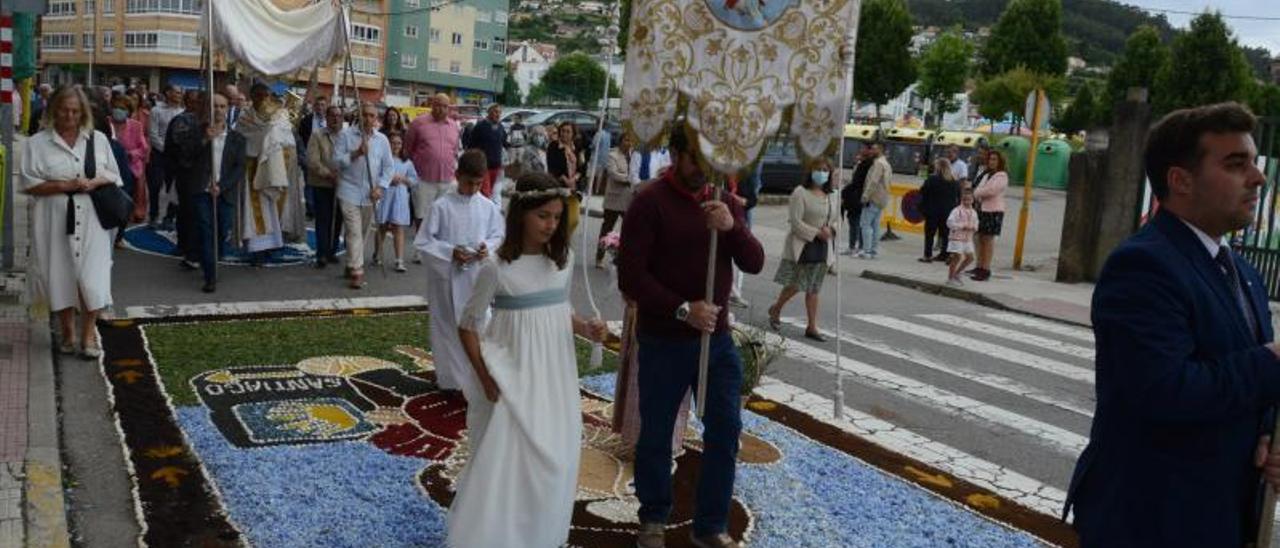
(393, 209)
(524, 421)
(71, 251)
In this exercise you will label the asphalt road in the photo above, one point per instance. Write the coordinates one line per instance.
(1004, 391)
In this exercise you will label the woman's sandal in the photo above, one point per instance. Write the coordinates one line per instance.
(775, 323)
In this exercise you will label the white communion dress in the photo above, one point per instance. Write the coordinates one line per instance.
(518, 488)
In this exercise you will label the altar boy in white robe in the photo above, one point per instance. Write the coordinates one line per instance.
(462, 230)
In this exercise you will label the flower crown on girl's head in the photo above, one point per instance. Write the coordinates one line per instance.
(517, 195)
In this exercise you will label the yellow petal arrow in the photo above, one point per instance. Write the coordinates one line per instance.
(171, 475)
(129, 377)
(921, 476)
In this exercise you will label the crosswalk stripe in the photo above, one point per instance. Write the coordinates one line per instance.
(1063, 440)
(1013, 335)
(1018, 357)
(997, 382)
(1044, 325)
(999, 479)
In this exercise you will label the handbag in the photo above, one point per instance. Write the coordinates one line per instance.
(110, 202)
(815, 251)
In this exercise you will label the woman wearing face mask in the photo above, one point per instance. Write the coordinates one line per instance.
(131, 135)
(533, 155)
(814, 216)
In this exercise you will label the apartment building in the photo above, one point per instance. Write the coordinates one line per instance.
(156, 42)
(458, 48)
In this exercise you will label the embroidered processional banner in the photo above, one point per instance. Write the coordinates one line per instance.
(735, 67)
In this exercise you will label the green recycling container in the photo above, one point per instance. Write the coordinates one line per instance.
(1052, 158)
(1014, 148)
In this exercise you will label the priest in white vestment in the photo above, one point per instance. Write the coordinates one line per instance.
(463, 228)
(270, 207)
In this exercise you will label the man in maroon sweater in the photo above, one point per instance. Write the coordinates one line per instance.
(665, 241)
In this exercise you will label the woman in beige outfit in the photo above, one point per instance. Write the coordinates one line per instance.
(814, 216)
(71, 250)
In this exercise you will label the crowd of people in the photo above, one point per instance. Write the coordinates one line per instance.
(1181, 326)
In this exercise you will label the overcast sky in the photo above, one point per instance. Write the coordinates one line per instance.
(1254, 33)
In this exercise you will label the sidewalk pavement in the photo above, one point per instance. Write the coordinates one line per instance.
(32, 508)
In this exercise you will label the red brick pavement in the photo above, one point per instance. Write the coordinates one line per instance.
(13, 391)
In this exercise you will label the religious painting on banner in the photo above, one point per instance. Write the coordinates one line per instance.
(734, 68)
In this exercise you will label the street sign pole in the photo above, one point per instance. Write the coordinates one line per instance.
(1039, 107)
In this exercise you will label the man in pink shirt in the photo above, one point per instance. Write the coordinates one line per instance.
(431, 143)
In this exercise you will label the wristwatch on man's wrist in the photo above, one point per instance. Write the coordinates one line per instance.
(682, 313)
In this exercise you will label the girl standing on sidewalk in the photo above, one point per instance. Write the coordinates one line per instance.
(962, 223)
(393, 210)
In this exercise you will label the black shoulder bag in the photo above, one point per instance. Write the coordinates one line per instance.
(111, 204)
(815, 251)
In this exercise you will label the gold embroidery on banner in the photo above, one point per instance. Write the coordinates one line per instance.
(740, 85)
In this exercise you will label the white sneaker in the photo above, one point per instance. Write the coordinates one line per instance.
(400, 267)
(953, 282)
(417, 257)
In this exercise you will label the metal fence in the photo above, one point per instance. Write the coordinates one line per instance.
(1260, 243)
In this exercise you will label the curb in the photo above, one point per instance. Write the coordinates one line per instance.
(961, 294)
(46, 510)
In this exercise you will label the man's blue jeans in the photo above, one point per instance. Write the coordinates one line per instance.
(668, 369)
(871, 228)
(204, 216)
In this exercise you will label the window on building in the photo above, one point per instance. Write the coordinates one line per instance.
(482, 44)
(455, 67)
(61, 8)
(90, 7)
(481, 72)
(457, 39)
(179, 7)
(366, 66)
(108, 7)
(500, 45)
(435, 36)
(500, 17)
(411, 31)
(408, 60)
(164, 41)
(483, 16)
(366, 34)
(58, 41)
(433, 64)
(86, 41)
(109, 40)
(411, 3)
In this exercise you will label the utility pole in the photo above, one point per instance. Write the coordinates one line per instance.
(6, 132)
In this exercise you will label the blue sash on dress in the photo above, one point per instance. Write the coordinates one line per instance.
(546, 297)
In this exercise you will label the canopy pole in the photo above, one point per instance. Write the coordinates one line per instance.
(213, 177)
(848, 51)
(610, 41)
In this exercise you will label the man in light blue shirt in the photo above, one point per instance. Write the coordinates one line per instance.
(362, 156)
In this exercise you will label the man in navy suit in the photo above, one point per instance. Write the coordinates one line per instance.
(1187, 372)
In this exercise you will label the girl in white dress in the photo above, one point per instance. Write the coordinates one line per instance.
(524, 421)
(71, 251)
(393, 209)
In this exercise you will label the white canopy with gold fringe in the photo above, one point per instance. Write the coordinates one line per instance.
(735, 67)
(273, 40)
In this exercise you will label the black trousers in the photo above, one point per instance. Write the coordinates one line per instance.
(158, 177)
(606, 226)
(188, 225)
(327, 224)
(935, 227)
